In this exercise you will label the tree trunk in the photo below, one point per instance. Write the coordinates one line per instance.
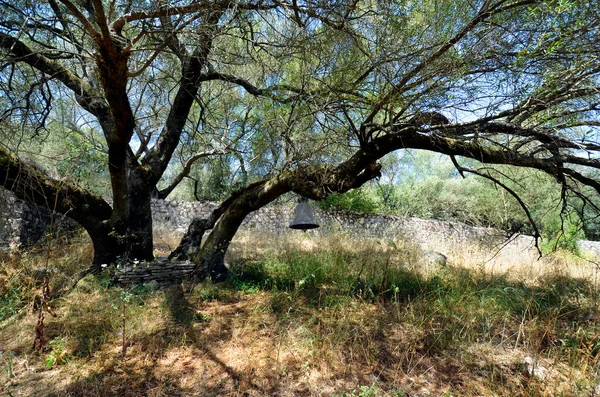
(106, 250)
(189, 247)
(210, 260)
(139, 242)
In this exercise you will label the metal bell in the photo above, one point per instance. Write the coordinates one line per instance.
(304, 218)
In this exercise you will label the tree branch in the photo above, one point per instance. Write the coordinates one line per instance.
(31, 184)
(82, 19)
(211, 6)
(270, 91)
(162, 194)
(157, 158)
(86, 96)
(101, 18)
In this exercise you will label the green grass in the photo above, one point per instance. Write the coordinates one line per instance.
(453, 307)
(11, 299)
(334, 308)
(369, 275)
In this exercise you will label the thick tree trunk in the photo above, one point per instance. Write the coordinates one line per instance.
(124, 242)
(139, 234)
(126, 239)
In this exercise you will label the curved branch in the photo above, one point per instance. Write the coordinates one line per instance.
(582, 179)
(148, 61)
(317, 182)
(84, 93)
(162, 194)
(82, 19)
(212, 6)
(31, 184)
(271, 90)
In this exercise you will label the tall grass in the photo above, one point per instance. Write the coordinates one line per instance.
(376, 314)
(332, 266)
(448, 308)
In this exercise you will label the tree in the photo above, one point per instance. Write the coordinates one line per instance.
(324, 89)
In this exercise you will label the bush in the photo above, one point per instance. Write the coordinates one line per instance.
(356, 200)
(562, 231)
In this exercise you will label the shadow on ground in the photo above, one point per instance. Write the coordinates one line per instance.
(427, 335)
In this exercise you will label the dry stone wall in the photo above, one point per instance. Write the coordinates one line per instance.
(429, 234)
(23, 223)
(156, 274)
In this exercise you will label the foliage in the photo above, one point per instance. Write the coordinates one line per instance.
(562, 231)
(430, 188)
(357, 200)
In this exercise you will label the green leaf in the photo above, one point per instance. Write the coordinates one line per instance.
(50, 360)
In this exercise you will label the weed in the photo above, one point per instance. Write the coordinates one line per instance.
(8, 363)
(206, 291)
(365, 391)
(201, 317)
(246, 286)
(57, 355)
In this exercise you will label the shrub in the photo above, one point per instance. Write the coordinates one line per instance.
(357, 200)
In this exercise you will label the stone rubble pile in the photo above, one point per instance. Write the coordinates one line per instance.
(156, 274)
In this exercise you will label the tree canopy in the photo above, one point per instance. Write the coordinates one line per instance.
(302, 96)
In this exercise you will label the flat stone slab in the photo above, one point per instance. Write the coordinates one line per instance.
(158, 273)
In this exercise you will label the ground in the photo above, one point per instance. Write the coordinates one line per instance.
(310, 317)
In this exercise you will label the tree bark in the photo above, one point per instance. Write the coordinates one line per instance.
(139, 233)
(315, 182)
(189, 246)
(210, 259)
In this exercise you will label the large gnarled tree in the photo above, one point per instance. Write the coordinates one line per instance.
(334, 85)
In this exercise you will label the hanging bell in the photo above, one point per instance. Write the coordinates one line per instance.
(304, 218)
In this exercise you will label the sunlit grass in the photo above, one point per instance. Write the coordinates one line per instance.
(309, 316)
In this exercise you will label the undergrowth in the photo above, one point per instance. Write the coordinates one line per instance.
(453, 305)
(21, 271)
(296, 316)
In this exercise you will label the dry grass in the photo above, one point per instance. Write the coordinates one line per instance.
(523, 263)
(306, 316)
(515, 262)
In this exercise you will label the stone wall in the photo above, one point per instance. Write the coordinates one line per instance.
(10, 220)
(23, 223)
(441, 236)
